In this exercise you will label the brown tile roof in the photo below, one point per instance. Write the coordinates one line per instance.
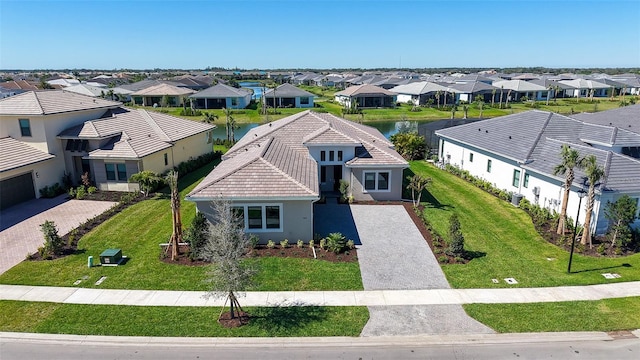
(51, 102)
(137, 133)
(163, 89)
(16, 154)
(272, 160)
(18, 85)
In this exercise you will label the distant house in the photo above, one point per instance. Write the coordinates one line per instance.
(366, 96)
(556, 88)
(222, 96)
(276, 172)
(287, 95)
(518, 153)
(156, 95)
(584, 88)
(45, 134)
(522, 88)
(469, 90)
(418, 93)
(116, 93)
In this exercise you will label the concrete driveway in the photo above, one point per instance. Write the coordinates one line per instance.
(20, 233)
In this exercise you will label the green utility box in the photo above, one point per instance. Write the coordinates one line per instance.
(111, 257)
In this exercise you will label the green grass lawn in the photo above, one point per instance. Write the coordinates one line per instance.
(140, 228)
(505, 234)
(602, 315)
(36, 317)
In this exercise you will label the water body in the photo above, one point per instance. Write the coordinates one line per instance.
(256, 87)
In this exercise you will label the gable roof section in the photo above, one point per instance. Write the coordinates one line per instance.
(625, 118)
(418, 88)
(287, 90)
(220, 91)
(51, 102)
(585, 84)
(519, 85)
(329, 136)
(163, 89)
(16, 154)
(364, 89)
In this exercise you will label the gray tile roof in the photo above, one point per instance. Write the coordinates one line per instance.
(135, 133)
(418, 88)
(546, 82)
(585, 84)
(625, 118)
(365, 89)
(220, 91)
(534, 138)
(272, 160)
(51, 102)
(163, 89)
(472, 87)
(287, 91)
(16, 154)
(518, 85)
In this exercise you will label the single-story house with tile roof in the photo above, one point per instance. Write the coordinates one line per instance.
(287, 95)
(221, 96)
(276, 172)
(367, 96)
(583, 88)
(468, 90)
(556, 88)
(519, 152)
(45, 134)
(418, 93)
(522, 88)
(175, 96)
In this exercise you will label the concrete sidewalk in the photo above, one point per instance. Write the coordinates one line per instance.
(70, 295)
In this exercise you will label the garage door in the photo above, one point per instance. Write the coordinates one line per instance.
(16, 190)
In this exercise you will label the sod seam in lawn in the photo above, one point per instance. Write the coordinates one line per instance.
(508, 240)
(176, 321)
(601, 315)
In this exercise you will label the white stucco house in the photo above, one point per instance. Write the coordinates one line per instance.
(519, 152)
(45, 134)
(277, 171)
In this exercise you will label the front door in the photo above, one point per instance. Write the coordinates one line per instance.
(337, 176)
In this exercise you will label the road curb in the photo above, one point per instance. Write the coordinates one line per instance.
(297, 342)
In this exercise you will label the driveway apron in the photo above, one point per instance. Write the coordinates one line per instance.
(395, 256)
(20, 233)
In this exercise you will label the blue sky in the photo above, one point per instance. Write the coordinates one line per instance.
(138, 34)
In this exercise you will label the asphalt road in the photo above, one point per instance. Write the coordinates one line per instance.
(621, 349)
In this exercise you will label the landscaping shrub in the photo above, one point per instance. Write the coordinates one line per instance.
(284, 244)
(196, 234)
(271, 244)
(51, 191)
(410, 145)
(53, 244)
(336, 242)
(456, 239)
(254, 240)
(191, 165)
(300, 244)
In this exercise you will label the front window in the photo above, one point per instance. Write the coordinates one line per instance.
(516, 178)
(376, 181)
(122, 172)
(331, 155)
(304, 100)
(526, 180)
(260, 218)
(323, 155)
(470, 157)
(489, 165)
(339, 155)
(166, 159)
(234, 101)
(25, 127)
(111, 171)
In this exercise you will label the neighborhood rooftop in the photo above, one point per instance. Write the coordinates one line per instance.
(51, 102)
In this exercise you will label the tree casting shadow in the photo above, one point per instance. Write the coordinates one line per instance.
(280, 319)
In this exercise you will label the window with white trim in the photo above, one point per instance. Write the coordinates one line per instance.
(259, 217)
(116, 172)
(304, 100)
(516, 178)
(526, 180)
(376, 181)
(25, 127)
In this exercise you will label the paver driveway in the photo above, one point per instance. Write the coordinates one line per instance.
(393, 255)
(20, 225)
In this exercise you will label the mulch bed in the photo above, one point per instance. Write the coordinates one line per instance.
(291, 251)
(601, 246)
(226, 321)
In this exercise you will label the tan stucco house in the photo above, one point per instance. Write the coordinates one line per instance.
(277, 171)
(45, 134)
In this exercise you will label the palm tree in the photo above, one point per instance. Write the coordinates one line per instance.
(501, 91)
(229, 125)
(445, 97)
(465, 110)
(570, 160)
(176, 236)
(506, 103)
(209, 117)
(549, 89)
(480, 102)
(594, 173)
(493, 97)
(438, 95)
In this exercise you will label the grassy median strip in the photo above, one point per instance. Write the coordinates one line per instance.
(602, 315)
(507, 242)
(140, 228)
(17, 316)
